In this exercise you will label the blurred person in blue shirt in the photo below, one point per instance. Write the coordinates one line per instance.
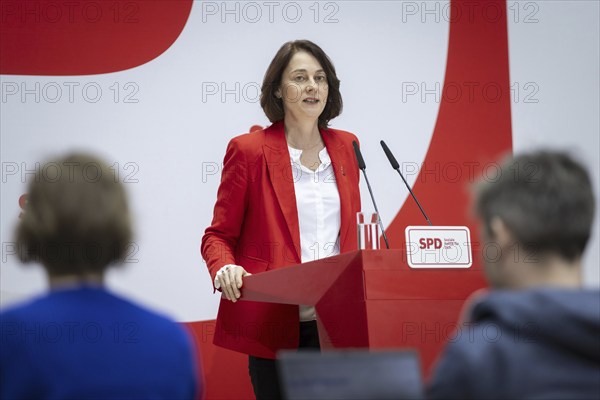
(80, 341)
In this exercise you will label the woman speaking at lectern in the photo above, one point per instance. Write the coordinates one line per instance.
(288, 194)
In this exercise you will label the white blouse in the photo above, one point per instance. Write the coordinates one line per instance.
(318, 203)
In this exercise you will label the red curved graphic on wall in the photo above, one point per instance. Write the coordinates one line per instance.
(473, 128)
(46, 37)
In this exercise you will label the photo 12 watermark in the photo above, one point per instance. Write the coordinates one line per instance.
(24, 12)
(63, 252)
(469, 332)
(70, 332)
(89, 172)
(253, 12)
(471, 92)
(525, 12)
(69, 92)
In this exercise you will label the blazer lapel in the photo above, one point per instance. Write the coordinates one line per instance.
(280, 174)
(339, 161)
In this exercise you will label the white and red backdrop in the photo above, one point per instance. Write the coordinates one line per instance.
(157, 89)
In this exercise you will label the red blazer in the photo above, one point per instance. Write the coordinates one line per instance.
(255, 225)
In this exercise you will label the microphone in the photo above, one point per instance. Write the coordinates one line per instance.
(396, 166)
(363, 168)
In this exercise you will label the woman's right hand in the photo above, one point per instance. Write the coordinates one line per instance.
(229, 280)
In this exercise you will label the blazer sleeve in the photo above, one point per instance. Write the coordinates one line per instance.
(220, 238)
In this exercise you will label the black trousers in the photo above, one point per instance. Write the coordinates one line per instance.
(263, 371)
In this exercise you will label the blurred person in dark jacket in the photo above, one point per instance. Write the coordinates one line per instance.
(536, 334)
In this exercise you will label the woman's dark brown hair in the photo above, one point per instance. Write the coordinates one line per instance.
(76, 220)
(273, 106)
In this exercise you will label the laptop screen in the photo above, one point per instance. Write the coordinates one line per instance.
(350, 374)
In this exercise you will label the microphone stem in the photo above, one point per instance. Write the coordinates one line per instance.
(387, 245)
(413, 196)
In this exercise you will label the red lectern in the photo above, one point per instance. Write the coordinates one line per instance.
(372, 299)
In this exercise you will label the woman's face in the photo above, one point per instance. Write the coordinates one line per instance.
(303, 87)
